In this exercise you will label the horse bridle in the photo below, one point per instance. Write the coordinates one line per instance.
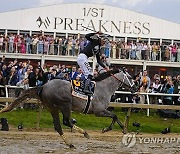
(122, 81)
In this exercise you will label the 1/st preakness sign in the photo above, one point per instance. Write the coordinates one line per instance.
(93, 18)
(69, 18)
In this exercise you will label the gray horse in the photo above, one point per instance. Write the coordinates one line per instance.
(57, 95)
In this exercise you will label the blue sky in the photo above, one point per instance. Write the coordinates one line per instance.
(164, 9)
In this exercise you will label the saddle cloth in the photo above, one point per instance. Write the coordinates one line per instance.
(77, 89)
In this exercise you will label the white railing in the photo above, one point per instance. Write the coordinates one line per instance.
(147, 96)
(111, 103)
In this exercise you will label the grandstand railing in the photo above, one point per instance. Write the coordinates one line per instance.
(15, 48)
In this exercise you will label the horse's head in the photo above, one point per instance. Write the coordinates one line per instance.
(126, 80)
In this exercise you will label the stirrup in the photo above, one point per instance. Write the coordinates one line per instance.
(88, 92)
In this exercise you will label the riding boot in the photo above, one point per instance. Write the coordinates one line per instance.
(87, 86)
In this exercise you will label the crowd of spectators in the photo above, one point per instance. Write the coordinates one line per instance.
(26, 75)
(168, 85)
(119, 49)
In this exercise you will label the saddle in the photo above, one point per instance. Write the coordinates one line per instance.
(78, 87)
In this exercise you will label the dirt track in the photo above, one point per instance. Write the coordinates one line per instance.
(48, 141)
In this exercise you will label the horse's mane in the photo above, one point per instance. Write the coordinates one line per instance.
(105, 75)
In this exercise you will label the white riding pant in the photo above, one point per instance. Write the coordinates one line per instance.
(82, 61)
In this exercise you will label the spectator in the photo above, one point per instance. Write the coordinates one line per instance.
(177, 90)
(118, 50)
(66, 77)
(28, 41)
(107, 49)
(46, 46)
(26, 74)
(73, 73)
(155, 50)
(137, 78)
(47, 76)
(40, 45)
(32, 77)
(167, 54)
(56, 43)
(155, 89)
(51, 47)
(64, 46)
(24, 83)
(173, 53)
(133, 47)
(2, 62)
(145, 78)
(81, 74)
(169, 89)
(138, 51)
(73, 44)
(17, 44)
(144, 50)
(2, 83)
(12, 78)
(143, 89)
(77, 48)
(114, 46)
(127, 52)
(178, 54)
(34, 44)
(11, 43)
(4, 71)
(5, 44)
(23, 46)
(20, 72)
(1, 42)
(62, 71)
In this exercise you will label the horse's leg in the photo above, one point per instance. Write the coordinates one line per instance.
(107, 113)
(57, 126)
(66, 111)
(82, 131)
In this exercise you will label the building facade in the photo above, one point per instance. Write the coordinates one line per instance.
(77, 19)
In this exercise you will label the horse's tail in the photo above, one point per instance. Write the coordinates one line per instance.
(27, 94)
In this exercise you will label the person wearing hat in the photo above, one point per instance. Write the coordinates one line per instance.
(92, 49)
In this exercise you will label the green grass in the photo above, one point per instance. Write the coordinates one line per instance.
(151, 124)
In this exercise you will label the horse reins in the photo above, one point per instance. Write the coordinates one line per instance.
(122, 81)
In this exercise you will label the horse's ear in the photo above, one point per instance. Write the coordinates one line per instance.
(124, 69)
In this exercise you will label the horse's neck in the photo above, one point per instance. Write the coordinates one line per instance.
(110, 84)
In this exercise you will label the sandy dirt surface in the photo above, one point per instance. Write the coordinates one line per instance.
(48, 141)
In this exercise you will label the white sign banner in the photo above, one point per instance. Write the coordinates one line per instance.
(72, 18)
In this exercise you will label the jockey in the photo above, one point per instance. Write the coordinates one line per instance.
(92, 48)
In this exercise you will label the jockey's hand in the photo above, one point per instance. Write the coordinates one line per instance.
(106, 68)
(99, 32)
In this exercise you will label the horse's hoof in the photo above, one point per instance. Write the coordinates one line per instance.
(86, 135)
(106, 129)
(71, 146)
(124, 131)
